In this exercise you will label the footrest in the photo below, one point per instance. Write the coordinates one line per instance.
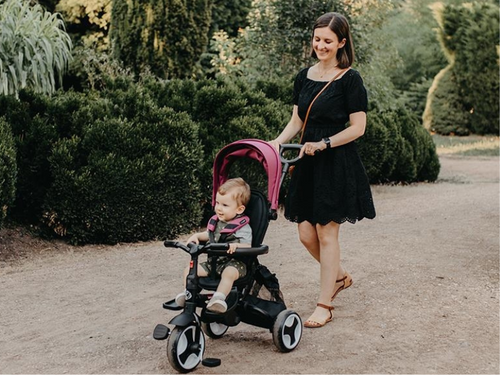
(161, 332)
(172, 305)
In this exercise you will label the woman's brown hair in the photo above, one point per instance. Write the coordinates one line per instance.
(339, 25)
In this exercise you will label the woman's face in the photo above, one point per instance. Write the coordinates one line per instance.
(326, 43)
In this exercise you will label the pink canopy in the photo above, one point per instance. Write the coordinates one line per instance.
(253, 149)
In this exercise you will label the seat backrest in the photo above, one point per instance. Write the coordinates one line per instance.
(258, 212)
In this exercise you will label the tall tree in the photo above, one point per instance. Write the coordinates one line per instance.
(34, 48)
(469, 35)
(166, 36)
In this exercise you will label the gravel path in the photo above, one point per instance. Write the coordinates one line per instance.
(425, 297)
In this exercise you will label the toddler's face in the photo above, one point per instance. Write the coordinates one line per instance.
(226, 207)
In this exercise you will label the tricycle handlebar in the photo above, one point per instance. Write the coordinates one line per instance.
(216, 248)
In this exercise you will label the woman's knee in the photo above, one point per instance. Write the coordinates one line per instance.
(329, 233)
(307, 235)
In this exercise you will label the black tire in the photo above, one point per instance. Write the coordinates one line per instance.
(287, 331)
(214, 330)
(183, 351)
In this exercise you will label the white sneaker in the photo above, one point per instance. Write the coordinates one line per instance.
(217, 303)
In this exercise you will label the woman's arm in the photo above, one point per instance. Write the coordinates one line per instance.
(355, 130)
(291, 129)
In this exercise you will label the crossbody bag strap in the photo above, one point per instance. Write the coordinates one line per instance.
(312, 102)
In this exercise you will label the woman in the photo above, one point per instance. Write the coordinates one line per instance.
(329, 184)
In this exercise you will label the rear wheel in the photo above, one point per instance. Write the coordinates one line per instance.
(214, 330)
(287, 330)
(185, 348)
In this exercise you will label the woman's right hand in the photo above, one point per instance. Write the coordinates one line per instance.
(275, 144)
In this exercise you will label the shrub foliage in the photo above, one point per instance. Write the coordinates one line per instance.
(465, 98)
(134, 160)
(8, 169)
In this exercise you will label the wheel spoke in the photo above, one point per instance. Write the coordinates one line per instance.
(291, 331)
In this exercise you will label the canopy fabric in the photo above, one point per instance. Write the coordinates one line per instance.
(256, 149)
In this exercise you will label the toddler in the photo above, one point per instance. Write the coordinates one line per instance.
(231, 200)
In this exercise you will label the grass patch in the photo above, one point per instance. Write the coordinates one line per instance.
(472, 145)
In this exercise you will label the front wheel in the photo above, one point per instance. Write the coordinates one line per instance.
(287, 330)
(214, 330)
(185, 348)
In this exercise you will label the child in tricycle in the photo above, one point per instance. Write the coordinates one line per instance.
(228, 225)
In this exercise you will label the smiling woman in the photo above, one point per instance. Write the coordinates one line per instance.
(329, 185)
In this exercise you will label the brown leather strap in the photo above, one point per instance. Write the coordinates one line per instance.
(342, 279)
(312, 102)
(330, 308)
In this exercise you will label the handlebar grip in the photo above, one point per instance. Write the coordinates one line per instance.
(176, 244)
(286, 147)
(168, 243)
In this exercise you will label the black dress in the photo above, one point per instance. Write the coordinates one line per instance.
(332, 185)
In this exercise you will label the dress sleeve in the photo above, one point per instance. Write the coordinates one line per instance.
(355, 92)
(297, 86)
(244, 234)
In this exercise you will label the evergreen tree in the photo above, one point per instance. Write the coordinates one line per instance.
(469, 36)
(230, 16)
(477, 57)
(166, 36)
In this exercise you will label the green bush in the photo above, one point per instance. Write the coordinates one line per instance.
(8, 169)
(38, 122)
(137, 182)
(429, 169)
(226, 111)
(396, 148)
(134, 161)
(130, 176)
(373, 147)
(449, 116)
(469, 98)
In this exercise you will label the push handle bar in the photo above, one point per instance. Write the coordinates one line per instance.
(286, 147)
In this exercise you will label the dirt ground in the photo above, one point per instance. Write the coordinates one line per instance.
(425, 297)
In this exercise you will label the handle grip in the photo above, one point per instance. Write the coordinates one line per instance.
(286, 147)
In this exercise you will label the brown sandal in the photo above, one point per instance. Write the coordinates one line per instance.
(347, 282)
(313, 324)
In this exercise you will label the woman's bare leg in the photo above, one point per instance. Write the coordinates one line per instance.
(309, 238)
(328, 238)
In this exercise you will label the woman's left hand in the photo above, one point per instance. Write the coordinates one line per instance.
(312, 148)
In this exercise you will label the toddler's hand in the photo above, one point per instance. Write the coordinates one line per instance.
(232, 248)
(194, 239)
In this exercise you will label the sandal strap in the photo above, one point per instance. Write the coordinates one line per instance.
(342, 279)
(329, 308)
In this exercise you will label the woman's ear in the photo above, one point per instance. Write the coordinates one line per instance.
(342, 43)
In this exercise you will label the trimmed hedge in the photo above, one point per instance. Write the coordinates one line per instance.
(126, 180)
(225, 111)
(8, 169)
(397, 148)
(134, 160)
